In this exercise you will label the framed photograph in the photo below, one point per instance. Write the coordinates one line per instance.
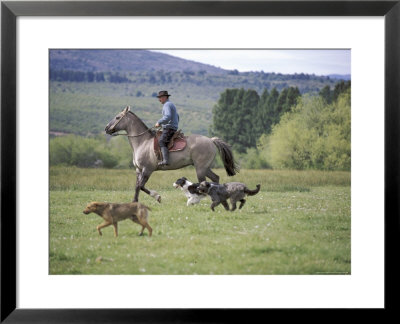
(40, 91)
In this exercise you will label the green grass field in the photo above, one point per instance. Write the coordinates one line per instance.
(299, 223)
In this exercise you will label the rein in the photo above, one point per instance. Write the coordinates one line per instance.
(124, 114)
(147, 130)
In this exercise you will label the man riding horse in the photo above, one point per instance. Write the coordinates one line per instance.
(200, 151)
(169, 123)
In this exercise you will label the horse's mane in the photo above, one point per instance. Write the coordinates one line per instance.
(141, 121)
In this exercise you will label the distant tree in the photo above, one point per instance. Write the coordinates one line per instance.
(291, 98)
(280, 105)
(264, 121)
(340, 88)
(326, 94)
(270, 108)
(223, 113)
(152, 79)
(78, 76)
(90, 76)
(235, 118)
(162, 77)
(118, 78)
(247, 134)
(100, 77)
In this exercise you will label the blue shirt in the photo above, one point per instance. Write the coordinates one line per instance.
(170, 118)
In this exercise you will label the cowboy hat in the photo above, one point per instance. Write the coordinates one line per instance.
(163, 93)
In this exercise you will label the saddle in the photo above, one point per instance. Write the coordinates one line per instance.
(177, 143)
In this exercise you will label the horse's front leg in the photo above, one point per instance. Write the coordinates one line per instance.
(137, 186)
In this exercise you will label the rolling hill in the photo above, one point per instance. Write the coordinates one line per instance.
(88, 87)
(108, 60)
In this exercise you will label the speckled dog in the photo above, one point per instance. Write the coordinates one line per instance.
(220, 193)
(190, 190)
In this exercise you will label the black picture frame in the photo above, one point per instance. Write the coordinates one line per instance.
(10, 10)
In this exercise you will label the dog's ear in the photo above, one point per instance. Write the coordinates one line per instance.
(97, 204)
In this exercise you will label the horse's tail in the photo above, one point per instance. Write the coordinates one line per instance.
(252, 192)
(226, 154)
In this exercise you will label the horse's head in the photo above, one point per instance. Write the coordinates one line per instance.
(118, 122)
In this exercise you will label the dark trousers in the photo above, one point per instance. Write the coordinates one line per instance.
(166, 136)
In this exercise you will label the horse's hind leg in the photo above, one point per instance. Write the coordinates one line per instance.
(142, 178)
(201, 173)
(214, 177)
(152, 193)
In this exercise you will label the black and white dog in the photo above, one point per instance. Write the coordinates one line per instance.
(220, 193)
(190, 190)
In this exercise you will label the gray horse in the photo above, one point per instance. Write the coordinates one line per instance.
(200, 151)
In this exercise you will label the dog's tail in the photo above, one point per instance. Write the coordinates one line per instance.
(252, 192)
(226, 154)
(144, 206)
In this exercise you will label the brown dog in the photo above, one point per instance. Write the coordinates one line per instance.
(113, 213)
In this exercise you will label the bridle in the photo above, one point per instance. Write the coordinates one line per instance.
(123, 115)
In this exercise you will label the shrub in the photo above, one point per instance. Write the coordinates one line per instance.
(315, 135)
(80, 151)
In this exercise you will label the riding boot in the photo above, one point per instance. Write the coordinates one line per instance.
(165, 154)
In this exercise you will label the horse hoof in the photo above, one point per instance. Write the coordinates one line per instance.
(159, 199)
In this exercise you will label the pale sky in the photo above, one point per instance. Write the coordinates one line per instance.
(319, 62)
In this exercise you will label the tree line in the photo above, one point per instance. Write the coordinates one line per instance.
(255, 80)
(286, 129)
(242, 116)
(80, 76)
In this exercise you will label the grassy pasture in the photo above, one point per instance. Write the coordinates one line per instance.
(299, 223)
